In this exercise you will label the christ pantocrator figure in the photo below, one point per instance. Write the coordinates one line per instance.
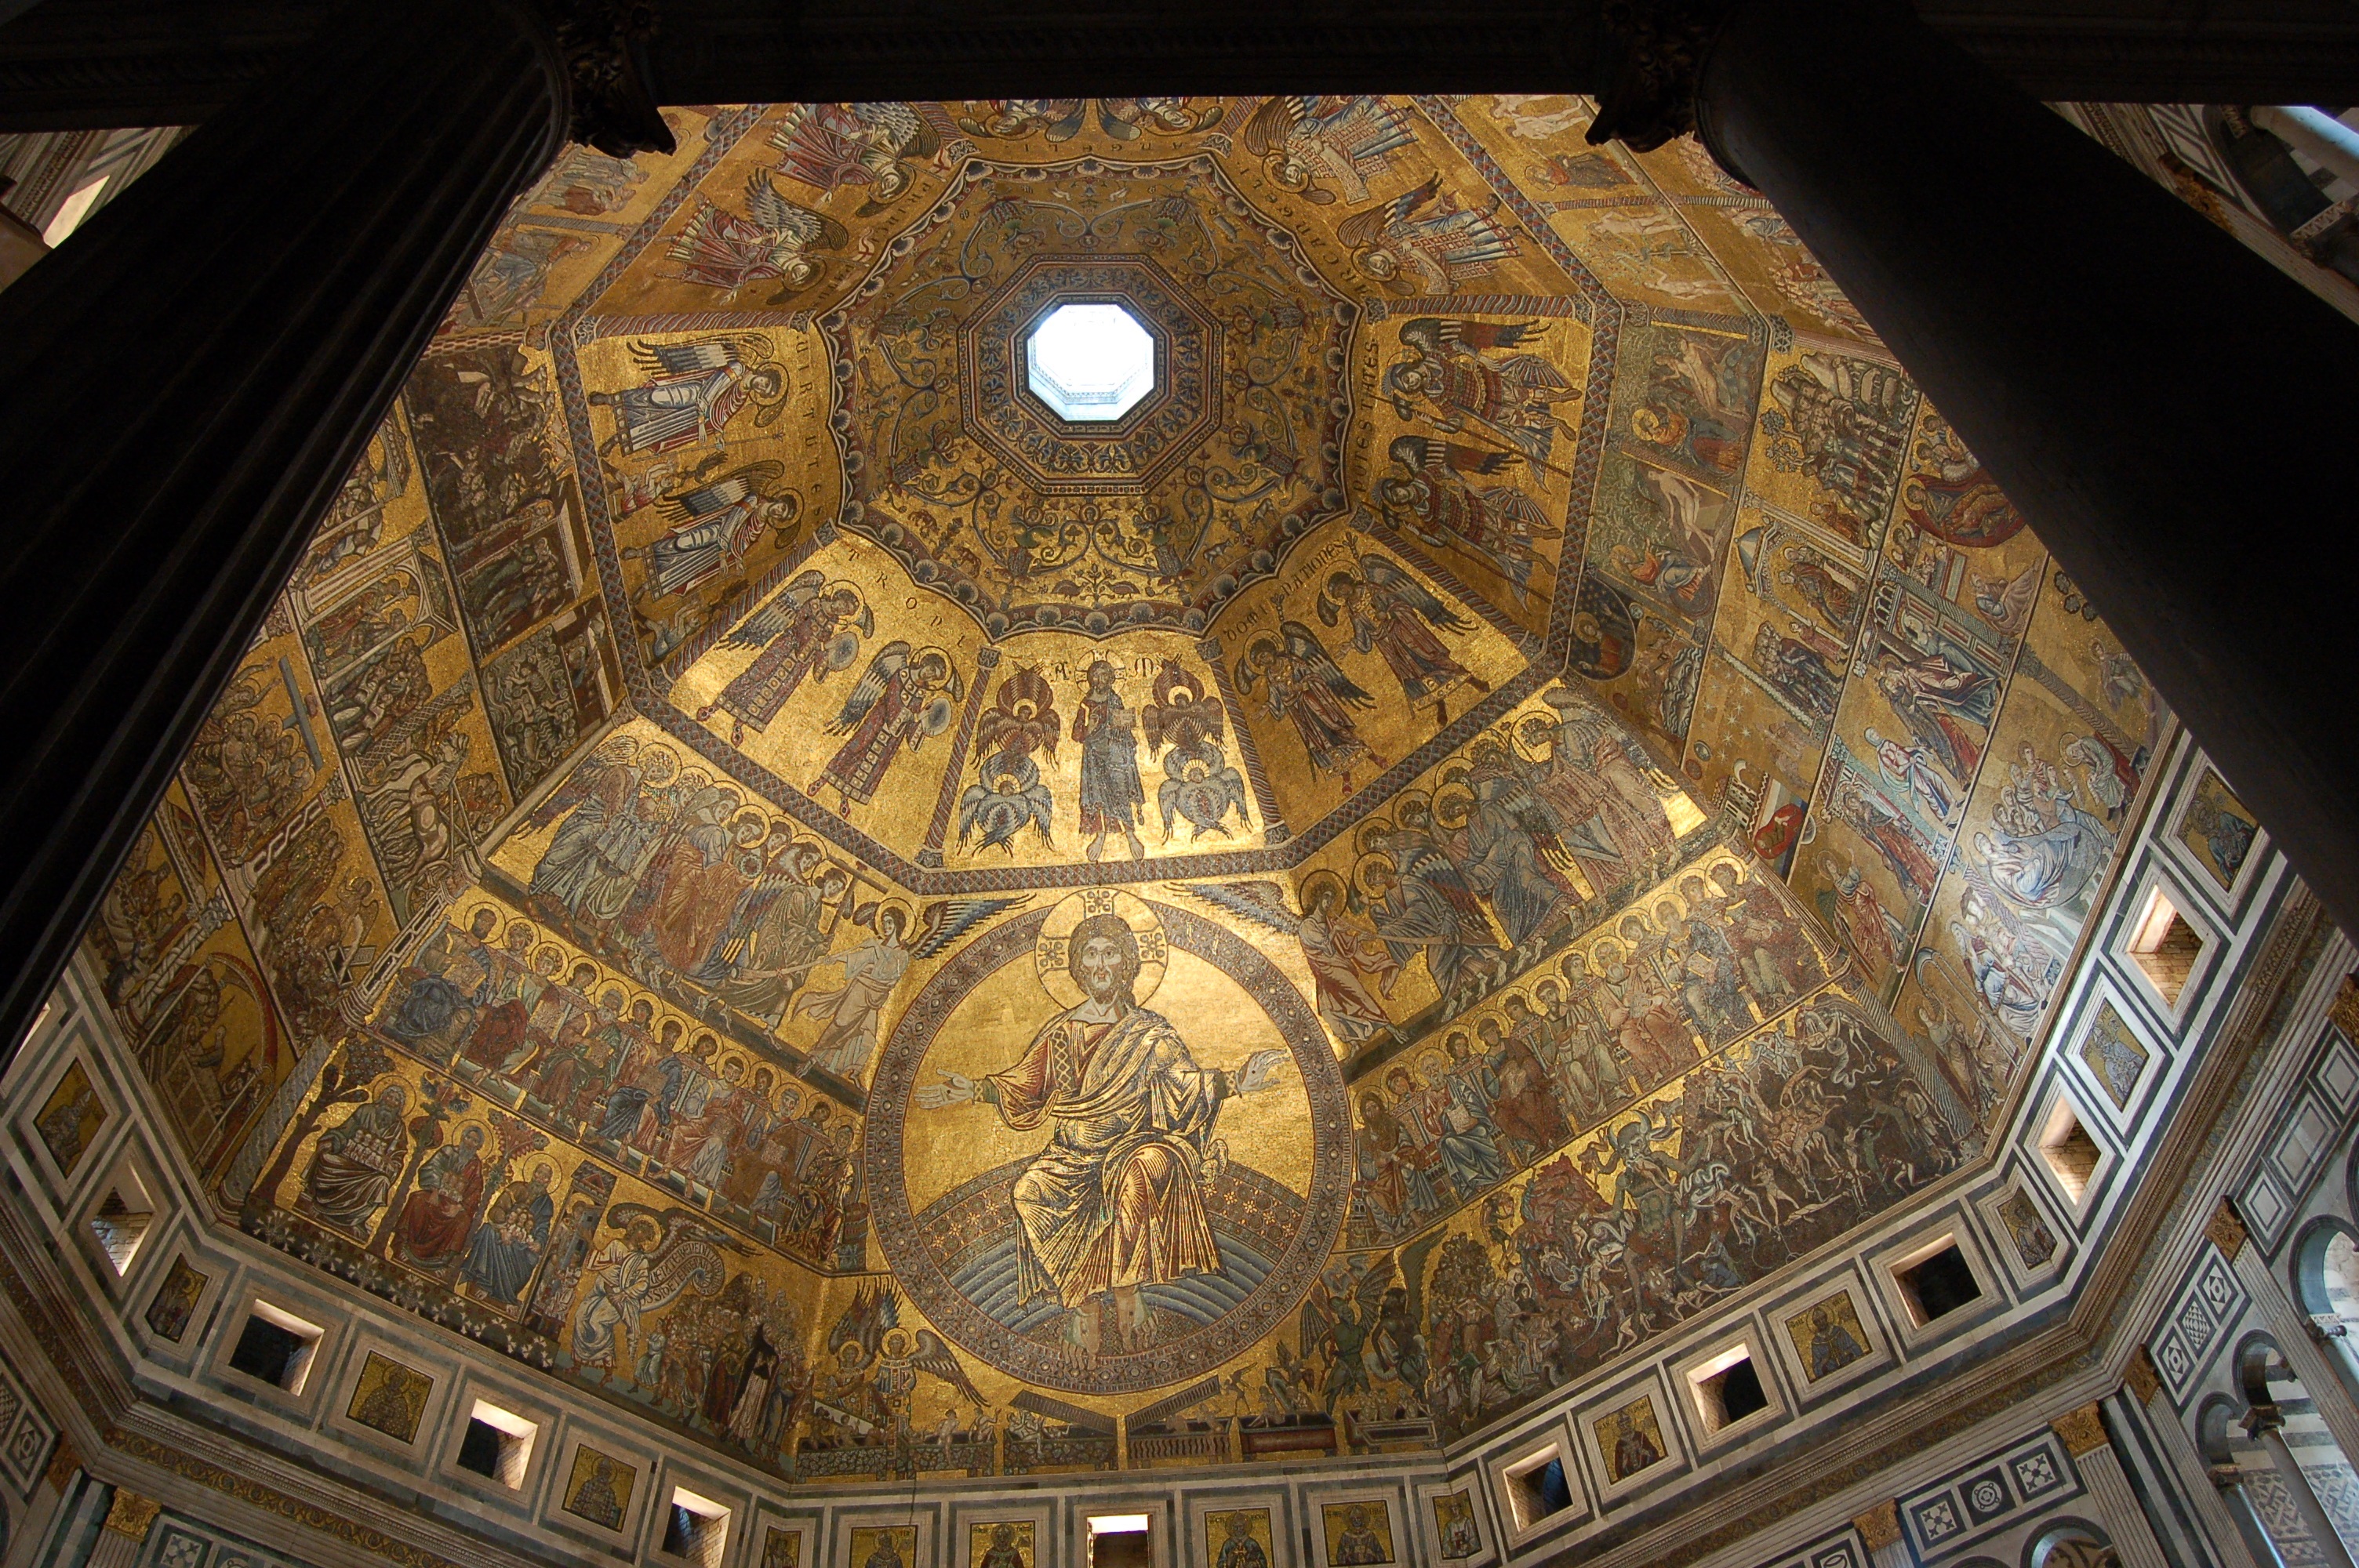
(1114, 1202)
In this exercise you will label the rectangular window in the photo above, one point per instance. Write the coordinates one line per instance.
(275, 1346)
(2071, 1153)
(1537, 1489)
(1728, 1388)
(1936, 1283)
(1121, 1540)
(696, 1528)
(497, 1444)
(2165, 947)
(122, 1221)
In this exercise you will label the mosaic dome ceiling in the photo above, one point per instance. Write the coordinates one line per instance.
(1524, 679)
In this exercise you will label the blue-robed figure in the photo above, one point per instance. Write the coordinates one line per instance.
(508, 1241)
(1111, 793)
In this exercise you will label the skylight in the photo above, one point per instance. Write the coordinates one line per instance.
(1091, 363)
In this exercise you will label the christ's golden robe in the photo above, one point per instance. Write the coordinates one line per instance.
(1116, 1199)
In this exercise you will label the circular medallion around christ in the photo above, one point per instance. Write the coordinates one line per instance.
(1109, 1146)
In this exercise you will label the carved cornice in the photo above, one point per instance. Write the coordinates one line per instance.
(1649, 54)
(604, 44)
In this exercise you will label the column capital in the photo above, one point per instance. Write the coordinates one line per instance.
(2344, 1008)
(2226, 1231)
(605, 45)
(2082, 1430)
(1879, 1526)
(1649, 55)
(2140, 1378)
(2264, 1416)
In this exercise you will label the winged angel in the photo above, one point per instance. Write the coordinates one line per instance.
(693, 390)
(905, 696)
(1338, 943)
(1423, 242)
(715, 525)
(870, 1345)
(1299, 139)
(774, 241)
(660, 1257)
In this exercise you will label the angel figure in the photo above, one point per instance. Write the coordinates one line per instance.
(1432, 498)
(772, 242)
(1007, 795)
(1392, 614)
(904, 697)
(1424, 242)
(868, 1337)
(805, 632)
(714, 526)
(1306, 686)
(692, 392)
(1198, 785)
(1338, 943)
(1456, 370)
(658, 1257)
(901, 1357)
(828, 145)
(1299, 139)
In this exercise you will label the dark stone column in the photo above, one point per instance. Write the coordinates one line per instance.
(2173, 416)
(186, 382)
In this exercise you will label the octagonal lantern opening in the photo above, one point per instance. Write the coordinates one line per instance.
(1091, 362)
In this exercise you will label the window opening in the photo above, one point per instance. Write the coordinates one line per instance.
(2071, 1154)
(275, 1346)
(1121, 1540)
(2165, 947)
(497, 1444)
(1091, 363)
(1538, 1491)
(1938, 1283)
(696, 1528)
(121, 1222)
(1727, 1389)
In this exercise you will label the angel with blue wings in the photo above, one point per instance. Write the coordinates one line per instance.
(1424, 242)
(692, 392)
(714, 526)
(1305, 685)
(811, 629)
(905, 696)
(1298, 140)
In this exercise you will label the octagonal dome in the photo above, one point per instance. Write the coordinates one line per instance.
(1091, 362)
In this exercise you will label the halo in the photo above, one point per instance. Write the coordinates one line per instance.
(1048, 953)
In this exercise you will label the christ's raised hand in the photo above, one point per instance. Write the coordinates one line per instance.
(1260, 1071)
(956, 1088)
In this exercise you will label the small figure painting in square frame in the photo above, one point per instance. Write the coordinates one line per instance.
(884, 1546)
(1001, 1544)
(69, 1119)
(390, 1397)
(1359, 1533)
(2114, 1056)
(2217, 829)
(782, 1547)
(1454, 1526)
(1629, 1440)
(1239, 1537)
(1828, 1335)
(176, 1301)
(599, 1488)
